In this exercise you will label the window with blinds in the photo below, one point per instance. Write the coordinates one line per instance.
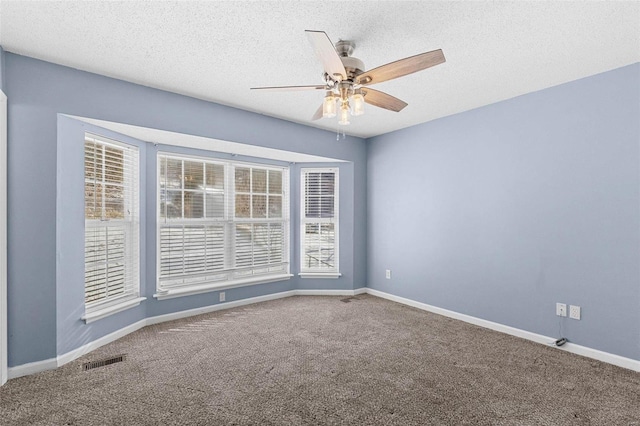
(111, 210)
(319, 221)
(220, 223)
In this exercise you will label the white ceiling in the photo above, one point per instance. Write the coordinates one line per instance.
(217, 50)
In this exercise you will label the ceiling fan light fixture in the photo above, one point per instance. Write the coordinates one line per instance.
(329, 105)
(358, 103)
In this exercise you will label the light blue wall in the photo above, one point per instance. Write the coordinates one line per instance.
(502, 211)
(43, 288)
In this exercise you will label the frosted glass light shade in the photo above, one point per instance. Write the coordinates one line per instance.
(329, 106)
(358, 104)
(344, 114)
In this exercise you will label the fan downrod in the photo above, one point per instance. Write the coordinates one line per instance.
(345, 47)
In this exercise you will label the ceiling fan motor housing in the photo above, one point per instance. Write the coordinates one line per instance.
(353, 66)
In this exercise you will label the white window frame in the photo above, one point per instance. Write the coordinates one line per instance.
(3, 240)
(306, 272)
(229, 276)
(130, 226)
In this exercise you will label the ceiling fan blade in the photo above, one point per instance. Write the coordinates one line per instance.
(289, 88)
(326, 53)
(383, 100)
(318, 114)
(401, 67)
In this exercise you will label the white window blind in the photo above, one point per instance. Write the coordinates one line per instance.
(319, 221)
(220, 222)
(111, 206)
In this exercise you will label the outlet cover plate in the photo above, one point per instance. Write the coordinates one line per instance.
(574, 312)
(561, 309)
(222, 296)
(388, 274)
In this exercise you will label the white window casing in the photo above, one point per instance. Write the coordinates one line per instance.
(319, 223)
(221, 224)
(112, 227)
(3, 240)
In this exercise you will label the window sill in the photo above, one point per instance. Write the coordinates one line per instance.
(113, 309)
(329, 275)
(205, 288)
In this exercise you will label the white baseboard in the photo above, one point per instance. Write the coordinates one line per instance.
(326, 292)
(32, 368)
(51, 363)
(48, 364)
(95, 344)
(618, 360)
(218, 307)
(235, 303)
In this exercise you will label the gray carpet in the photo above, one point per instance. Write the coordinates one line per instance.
(321, 360)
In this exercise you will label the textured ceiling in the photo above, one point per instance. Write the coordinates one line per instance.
(217, 50)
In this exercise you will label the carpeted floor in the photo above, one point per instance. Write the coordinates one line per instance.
(325, 360)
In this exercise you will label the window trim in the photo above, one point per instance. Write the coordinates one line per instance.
(3, 240)
(97, 310)
(104, 312)
(240, 281)
(318, 273)
(224, 285)
(328, 275)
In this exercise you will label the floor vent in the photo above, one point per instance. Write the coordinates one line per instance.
(108, 361)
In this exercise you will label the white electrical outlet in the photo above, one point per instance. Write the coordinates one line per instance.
(222, 296)
(388, 274)
(561, 309)
(574, 312)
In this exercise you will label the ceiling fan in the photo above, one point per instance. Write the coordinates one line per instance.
(346, 83)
